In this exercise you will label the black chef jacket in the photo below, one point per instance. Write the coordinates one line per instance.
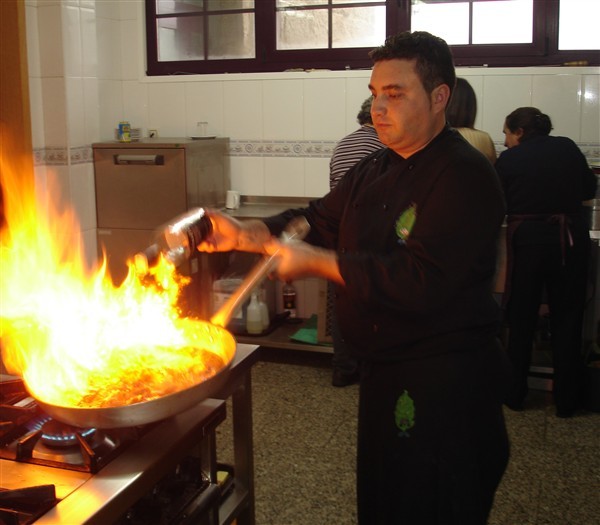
(426, 293)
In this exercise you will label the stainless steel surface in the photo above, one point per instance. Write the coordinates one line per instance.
(259, 207)
(127, 478)
(155, 409)
(101, 498)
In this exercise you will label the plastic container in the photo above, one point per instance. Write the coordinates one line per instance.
(222, 290)
(254, 319)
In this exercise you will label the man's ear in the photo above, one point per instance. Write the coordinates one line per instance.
(440, 97)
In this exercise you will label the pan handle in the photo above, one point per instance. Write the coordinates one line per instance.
(296, 230)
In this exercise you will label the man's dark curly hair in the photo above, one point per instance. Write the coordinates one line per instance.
(434, 62)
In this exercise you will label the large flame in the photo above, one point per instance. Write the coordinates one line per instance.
(75, 338)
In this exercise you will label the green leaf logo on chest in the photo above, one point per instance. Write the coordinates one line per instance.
(406, 221)
(404, 414)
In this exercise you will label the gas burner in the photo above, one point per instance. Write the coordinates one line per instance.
(62, 435)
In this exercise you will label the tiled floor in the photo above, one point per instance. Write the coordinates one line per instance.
(305, 438)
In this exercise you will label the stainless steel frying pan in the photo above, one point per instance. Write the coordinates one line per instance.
(172, 404)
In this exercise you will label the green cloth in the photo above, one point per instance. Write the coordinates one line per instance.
(308, 332)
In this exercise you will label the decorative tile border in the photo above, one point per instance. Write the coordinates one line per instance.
(281, 148)
(62, 156)
(252, 148)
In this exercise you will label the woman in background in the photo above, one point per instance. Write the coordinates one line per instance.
(461, 113)
(545, 179)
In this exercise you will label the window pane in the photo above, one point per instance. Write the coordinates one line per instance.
(448, 21)
(167, 7)
(302, 29)
(231, 36)
(503, 22)
(358, 2)
(180, 39)
(224, 5)
(358, 27)
(299, 3)
(578, 25)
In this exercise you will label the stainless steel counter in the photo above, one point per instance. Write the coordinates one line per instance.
(253, 207)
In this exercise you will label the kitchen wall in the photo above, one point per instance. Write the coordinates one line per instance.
(86, 65)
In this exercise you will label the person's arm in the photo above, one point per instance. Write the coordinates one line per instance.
(230, 234)
(298, 259)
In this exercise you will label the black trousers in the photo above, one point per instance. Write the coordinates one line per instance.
(436, 456)
(537, 267)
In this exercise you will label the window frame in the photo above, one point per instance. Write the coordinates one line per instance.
(543, 51)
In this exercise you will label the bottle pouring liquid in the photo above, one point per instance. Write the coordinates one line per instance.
(175, 240)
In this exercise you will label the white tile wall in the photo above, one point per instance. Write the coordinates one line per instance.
(324, 109)
(284, 176)
(89, 46)
(243, 109)
(135, 105)
(204, 103)
(566, 116)
(72, 44)
(54, 111)
(75, 111)
(166, 109)
(51, 49)
(502, 94)
(248, 175)
(590, 113)
(282, 103)
(316, 177)
(357, 91)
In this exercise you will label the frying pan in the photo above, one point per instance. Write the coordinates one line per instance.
(169, 405)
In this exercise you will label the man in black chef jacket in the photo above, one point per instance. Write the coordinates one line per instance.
(409, 237)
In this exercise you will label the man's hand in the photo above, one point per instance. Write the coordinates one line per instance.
(231, 234)
(297, 259)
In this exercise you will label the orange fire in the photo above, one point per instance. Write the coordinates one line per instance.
(69, 332)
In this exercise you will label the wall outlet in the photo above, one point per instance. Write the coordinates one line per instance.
(153, 133)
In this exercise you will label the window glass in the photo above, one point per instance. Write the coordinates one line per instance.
(180, 39)
(503, 22)
(231, 36)
(358, 27)
(305, 29)
(578, 26)
(224, 5)
(167, 7)
(449, 21)
(299, 3)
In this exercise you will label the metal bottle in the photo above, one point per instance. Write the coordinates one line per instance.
(176, 241)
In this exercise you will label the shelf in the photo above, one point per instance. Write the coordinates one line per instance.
(280, 338)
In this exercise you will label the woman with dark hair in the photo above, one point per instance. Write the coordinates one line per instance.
(461, 113)
(545, 179)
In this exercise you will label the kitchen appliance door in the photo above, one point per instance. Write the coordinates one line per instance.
(119, 245)
(139, 188)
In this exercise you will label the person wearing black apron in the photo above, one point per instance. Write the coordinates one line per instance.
(409, 237)
(545, 179)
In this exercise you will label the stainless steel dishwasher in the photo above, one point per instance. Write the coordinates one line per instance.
(141, 185)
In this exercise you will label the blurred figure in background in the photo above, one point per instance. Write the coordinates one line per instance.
(461, 113)
(346, 154)
(545, 179)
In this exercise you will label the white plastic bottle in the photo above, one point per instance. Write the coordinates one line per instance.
(264, 312)
(254, 323)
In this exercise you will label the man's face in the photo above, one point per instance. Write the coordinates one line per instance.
(405, 116)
